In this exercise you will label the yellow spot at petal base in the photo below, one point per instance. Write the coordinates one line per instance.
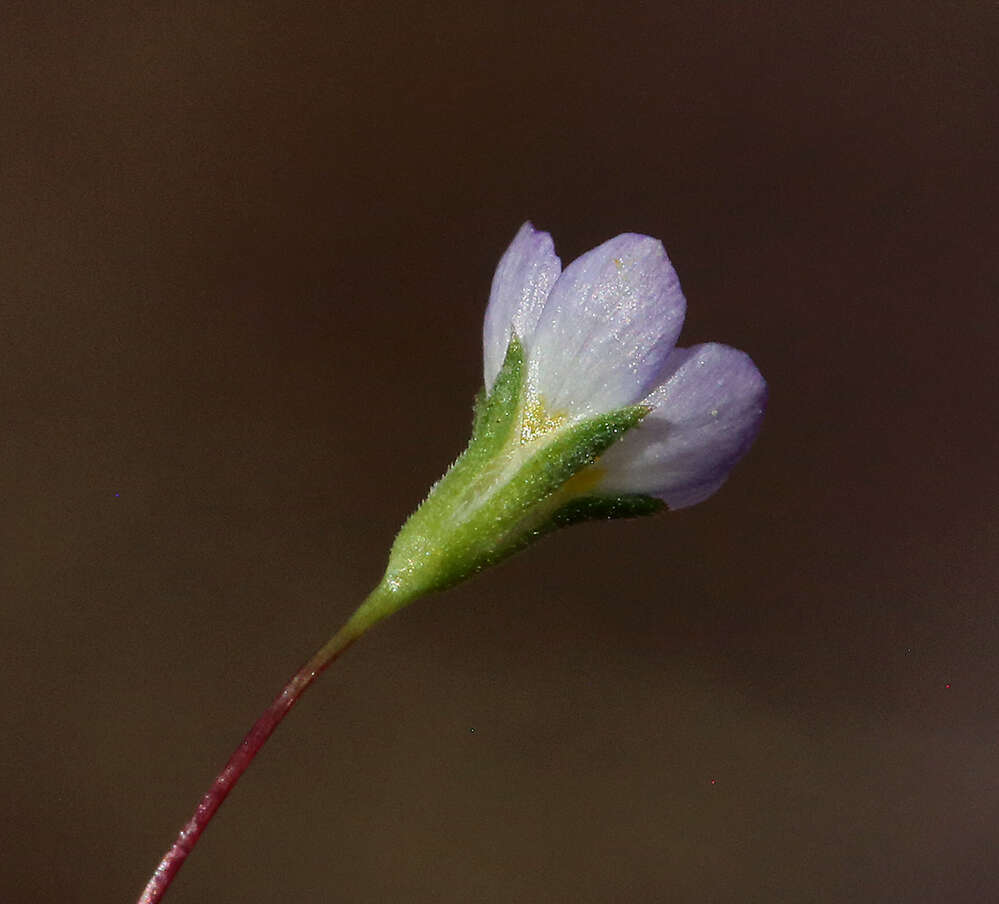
(537, 421)
(582, 483)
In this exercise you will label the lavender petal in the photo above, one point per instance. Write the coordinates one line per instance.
(706, 414)
(524, 277)
(607, 328)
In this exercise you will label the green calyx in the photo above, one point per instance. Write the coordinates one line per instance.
(514, 483)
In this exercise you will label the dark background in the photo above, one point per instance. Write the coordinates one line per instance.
(245, 249)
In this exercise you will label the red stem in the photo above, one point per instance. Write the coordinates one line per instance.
(247, 750)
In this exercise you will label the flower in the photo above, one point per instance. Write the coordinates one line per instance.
(588, 411)
(601, 335)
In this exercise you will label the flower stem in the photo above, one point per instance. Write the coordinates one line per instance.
(243, 756)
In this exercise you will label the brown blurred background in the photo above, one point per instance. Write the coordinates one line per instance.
(246, 250)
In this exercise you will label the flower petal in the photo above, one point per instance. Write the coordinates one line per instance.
(706, 414)
(610, 323)
(524, 277)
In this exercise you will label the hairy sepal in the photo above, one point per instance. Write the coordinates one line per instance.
(503, 492)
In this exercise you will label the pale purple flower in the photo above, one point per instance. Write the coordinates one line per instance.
(600, 336)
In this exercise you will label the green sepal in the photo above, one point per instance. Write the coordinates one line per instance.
(499, 507)
(606, 508)
(555, 464)
(522, 510)
(587, 508)
(421, 542)
(503, 492)
(493, 421)
(479, 409)
(496, 414)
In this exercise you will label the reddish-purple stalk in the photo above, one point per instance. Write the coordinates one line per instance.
(238, 762)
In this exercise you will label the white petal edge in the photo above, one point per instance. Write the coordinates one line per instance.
(706, 414)
(607, 329)
(523, 279)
